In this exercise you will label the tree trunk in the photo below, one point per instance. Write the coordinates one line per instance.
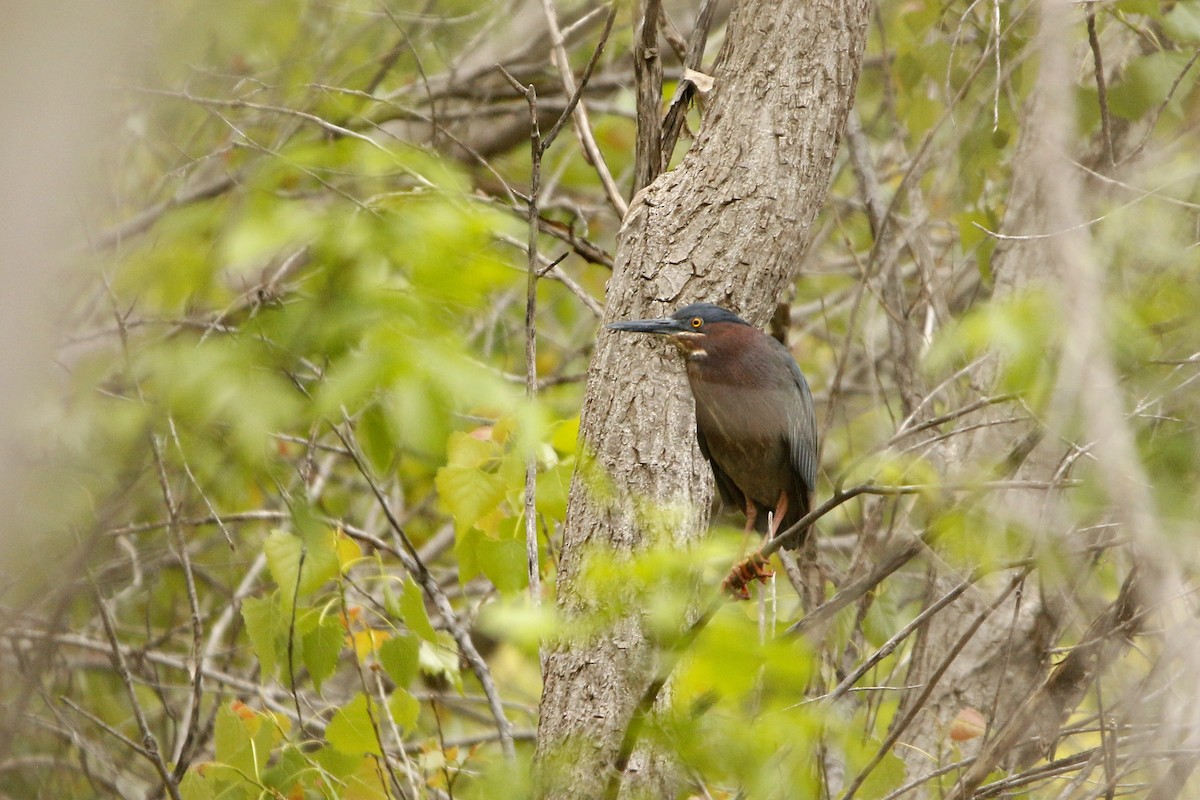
(727, 226)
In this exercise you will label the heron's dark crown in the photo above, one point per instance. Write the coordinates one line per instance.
(708, 312)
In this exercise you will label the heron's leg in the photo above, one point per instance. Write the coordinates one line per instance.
(751, 517)
(752, 568)
(777, 517)
(751, 514)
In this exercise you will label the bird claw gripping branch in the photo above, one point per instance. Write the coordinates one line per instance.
(752, 568)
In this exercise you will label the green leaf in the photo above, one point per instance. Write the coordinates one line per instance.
(552, 488)
(358, 775)
(377, 438)
(290, 769)
(1148, 79)
(565, 436)
(405, 708)
(195, 784)
(263, 625)
(886, 776)
(320, 650)
(351, 731)
(469, 486)
(301, 565)
(337, 763)
(1182, 22)
(516, 621)
(233, 740)
(1148, 8)
(859, 750)
(216, 781)
(1019, 329)
(504, 562)
(265, 730)
(268, 228)
(466, 553)
(440, 660)
(399, 656)
(412, 611)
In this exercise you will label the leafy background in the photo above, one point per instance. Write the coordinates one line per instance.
(285, 473)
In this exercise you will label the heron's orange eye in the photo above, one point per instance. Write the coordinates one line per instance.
(697, 322)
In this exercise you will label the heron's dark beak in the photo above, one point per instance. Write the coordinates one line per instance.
(668, 326)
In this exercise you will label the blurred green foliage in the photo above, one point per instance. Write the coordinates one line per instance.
(357, 276)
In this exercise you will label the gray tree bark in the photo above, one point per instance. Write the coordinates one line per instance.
(727, 226)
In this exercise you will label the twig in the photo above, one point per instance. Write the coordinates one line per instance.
(195, 674)
(580, 245)
(796, 532)
(262, 515)
(149, 746)
(169, 661)
(1101, 87)
(897, 557)
(666, 665)
(551, 265)
(470, 740)
(533, 272)
(1162, 107)
(218, 629)
(538, 147)
(677, 112)
(216, 102)
(999, 73)
(552, 270)
(104, 726)
(927, 777)
(864, 170)
(409, 769)
(669, 659)
(583, 127)
(950, 416)
(434, 125)
(187, 470)
(144, 220)
(376, 728)
(1071, 671)
(407, 554)
(186, 735)
(291, 640)
(647, 74)
(899, 727)
(569, 109)
(891, 644)
(1064, 229)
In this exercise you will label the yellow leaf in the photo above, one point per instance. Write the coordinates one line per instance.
(367, 642)
(347, 550)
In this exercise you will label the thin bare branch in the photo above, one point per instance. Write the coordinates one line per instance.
(412, 562)
(149, 746)
(583, 126)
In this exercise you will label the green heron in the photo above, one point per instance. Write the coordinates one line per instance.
(754, 413)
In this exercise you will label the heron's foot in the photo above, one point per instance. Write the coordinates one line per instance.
(750, 569)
